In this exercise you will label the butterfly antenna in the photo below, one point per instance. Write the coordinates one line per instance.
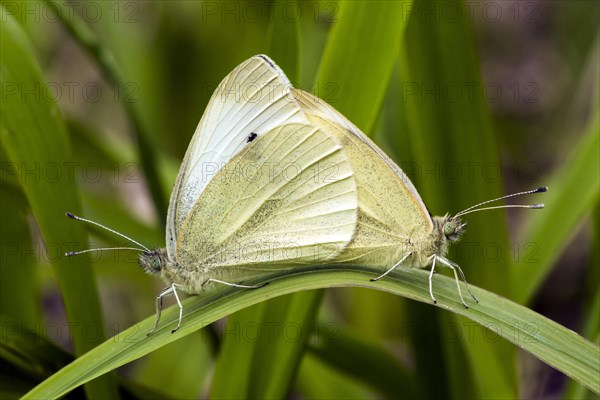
(76, 253)
(73, 253)
(476, 206)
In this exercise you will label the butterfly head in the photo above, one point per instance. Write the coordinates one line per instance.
(453, 228)
(153, 262)
(447, 229)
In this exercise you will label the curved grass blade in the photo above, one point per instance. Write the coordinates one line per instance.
(452, 143)
(371, 362)
(105, 60)
(550, 342)
(35, 140)
(576, 190)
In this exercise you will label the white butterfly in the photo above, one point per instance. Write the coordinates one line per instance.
(275, 177)
(259, 188)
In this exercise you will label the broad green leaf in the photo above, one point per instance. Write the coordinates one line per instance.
(553, 344)
(34, 138)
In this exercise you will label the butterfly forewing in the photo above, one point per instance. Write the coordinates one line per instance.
(289, 197)
(253, 99)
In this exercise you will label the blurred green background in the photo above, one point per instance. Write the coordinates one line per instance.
(472, 99)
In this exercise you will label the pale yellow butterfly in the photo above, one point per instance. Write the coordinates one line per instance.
(394, 226)
(275, 177)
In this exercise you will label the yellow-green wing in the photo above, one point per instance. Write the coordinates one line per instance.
(391, 212)
(312, 105)
(289, 197)
(251, 100)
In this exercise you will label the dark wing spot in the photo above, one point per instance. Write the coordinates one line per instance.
(251, 137)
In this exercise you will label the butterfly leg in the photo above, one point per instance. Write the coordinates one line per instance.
(180, 307)
(462, 275)
(165, 292)
(455, 267)
(158, 310)
(391, 269)
(431, 279)
(237, 285)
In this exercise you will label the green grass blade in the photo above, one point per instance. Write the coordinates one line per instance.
(450, 133)
(371, 363)
(28, 358)
(263, 347)
(574, 390)
(105, 60)
(317, 380)
(189, 362)
(573, 193)
(359, 58)
(553, 344)
(236, 357)
(284, 37)
(34, 137)
(18, 287)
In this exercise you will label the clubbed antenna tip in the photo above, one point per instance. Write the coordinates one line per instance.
(477, 207)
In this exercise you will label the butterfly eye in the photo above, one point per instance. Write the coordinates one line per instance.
(449, 228)
(156, 264)
(151, 262)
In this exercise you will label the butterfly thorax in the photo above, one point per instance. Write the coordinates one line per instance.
(446, 229)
